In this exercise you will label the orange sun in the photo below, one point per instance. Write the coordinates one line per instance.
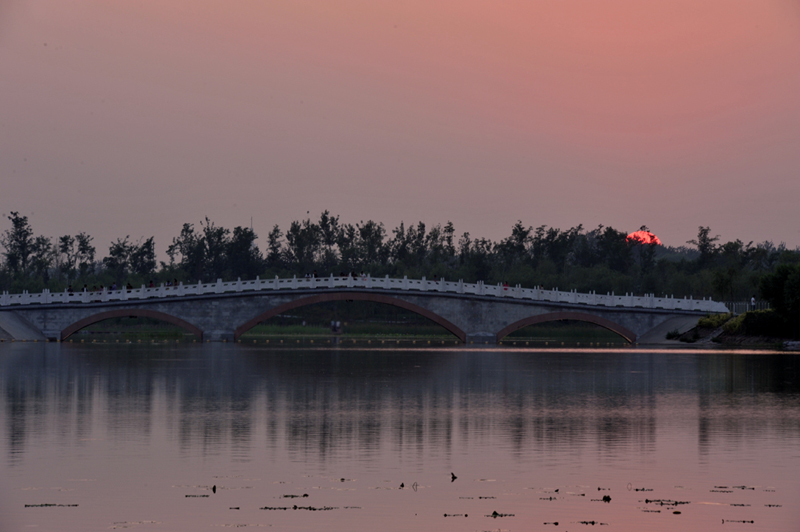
(643, 237)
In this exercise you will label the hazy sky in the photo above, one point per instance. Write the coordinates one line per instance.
(133, 117)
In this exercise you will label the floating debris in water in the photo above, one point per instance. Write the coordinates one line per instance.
(414, 486)
(720, 491)
(314, 509)
(456, 515)
(242, 525)
(552, 523)
(130, 524)
(274, 508)
(489, 497)
(497, 514)
(548, 498)
(603, 489)
(738, 504)
(744, 488)
(466, 497)
(736, 521)
(643, 489)
(50, 505)
(197, 495)
(292, 496)
(606, 498)
(591, 523)
(676, 512)
(234, 508)
(665, 502)
(773, 505)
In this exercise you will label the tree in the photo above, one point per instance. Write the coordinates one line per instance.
(781, 289)
(274, 248)
(117, 263)
(86, 253)
(215, 241)
(18, 243)
(42, 258)
(244, 258)
(68, 255)
(142, 258)
(303, 244)
(705, 244)
(188, 246)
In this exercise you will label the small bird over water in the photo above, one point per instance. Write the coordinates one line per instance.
(453, 477)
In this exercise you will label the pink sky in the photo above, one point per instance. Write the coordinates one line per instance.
(133, 117)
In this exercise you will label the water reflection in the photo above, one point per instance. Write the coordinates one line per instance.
(139, 434)
(320, 402)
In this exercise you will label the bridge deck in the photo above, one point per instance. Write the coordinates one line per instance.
(379, 283)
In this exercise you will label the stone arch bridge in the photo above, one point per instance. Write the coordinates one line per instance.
(474, 313)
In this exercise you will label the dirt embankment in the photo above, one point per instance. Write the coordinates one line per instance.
(707, 337)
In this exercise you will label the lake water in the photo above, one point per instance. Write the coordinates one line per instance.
(103, 437)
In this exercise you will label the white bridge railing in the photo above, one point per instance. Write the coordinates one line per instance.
(375, 283)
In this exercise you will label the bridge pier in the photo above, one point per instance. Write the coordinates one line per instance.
(481, 338)
(218, 336)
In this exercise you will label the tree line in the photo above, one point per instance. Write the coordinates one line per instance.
(602, 259)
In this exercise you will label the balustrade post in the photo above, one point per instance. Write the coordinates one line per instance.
(405, 282)
(218, 286)
(276, 283)
(349, 281)
(461, 286)
(331, 281)
(238, 284)
(369, 281)
(294, 282)
(424, 284)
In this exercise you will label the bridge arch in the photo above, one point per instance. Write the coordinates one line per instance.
(127, 313)
(576, 316)
(351, 296)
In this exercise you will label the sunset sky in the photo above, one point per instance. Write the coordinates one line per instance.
(132, 117)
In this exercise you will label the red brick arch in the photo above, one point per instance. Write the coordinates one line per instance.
(576, 316)
(353, 296)
(131, 312)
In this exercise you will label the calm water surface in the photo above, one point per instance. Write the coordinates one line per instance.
(100, 437)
